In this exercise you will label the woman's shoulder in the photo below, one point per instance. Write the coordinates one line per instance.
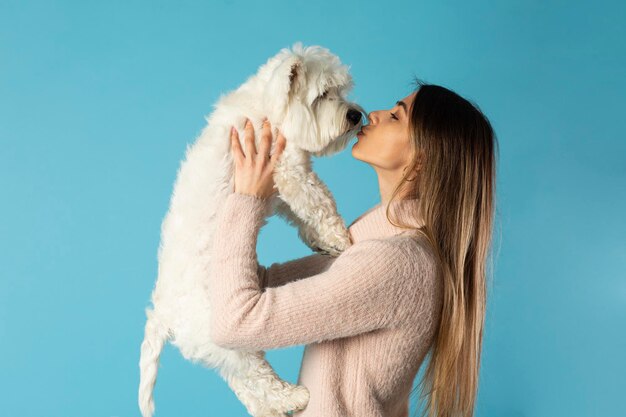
(408, 251)
(405, 264)
(409, 244)
(415, 250)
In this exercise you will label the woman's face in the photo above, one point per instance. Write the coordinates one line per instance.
(384, 141)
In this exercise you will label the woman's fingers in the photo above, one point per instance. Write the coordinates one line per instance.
(266, 140)
(249, 140)
(238, 154)
(281, 142)
(263, 152)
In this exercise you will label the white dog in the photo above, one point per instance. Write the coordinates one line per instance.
(302, 92)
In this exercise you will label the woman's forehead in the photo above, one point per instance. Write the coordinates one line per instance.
(409, 99)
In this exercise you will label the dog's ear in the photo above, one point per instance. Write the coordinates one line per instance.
(285, 81)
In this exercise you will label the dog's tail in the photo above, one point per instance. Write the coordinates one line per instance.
(155, 337)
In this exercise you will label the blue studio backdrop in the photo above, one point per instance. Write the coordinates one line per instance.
(98, 101)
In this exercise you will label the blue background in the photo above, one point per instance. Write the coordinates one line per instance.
(98, 101)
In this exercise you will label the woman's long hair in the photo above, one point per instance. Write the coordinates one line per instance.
(455, 183)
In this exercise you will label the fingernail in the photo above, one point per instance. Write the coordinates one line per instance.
(232, 130)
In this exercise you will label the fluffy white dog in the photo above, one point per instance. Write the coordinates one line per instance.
(303, 93)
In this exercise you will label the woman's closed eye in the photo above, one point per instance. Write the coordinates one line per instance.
(393, 116)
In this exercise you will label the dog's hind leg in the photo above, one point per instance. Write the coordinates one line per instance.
(258, 387)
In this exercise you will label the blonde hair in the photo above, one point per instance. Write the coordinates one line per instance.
(455, 183)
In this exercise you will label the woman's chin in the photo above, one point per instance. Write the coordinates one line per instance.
(355, 152)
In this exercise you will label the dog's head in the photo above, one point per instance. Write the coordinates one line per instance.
(305, 93)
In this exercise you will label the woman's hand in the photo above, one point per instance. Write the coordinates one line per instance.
(254, 171)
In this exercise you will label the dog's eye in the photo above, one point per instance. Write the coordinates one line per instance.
(322, 97)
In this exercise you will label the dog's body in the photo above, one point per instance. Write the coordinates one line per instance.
(303, 93)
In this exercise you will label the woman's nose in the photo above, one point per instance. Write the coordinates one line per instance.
(370, 118)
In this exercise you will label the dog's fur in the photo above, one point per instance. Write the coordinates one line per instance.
(303, 93)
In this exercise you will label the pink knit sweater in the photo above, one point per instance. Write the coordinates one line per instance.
(367, 317)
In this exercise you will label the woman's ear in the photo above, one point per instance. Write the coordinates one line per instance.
(285, 82)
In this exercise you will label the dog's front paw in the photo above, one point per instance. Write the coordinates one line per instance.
(336, 246)
(331, 251)
(320, 251)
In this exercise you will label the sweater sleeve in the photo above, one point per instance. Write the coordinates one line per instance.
(358, 293)
(280, 273)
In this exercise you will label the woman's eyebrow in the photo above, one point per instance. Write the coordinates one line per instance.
(402, 104)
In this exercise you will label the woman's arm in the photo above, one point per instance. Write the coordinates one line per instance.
(361, 291)
(278, 274)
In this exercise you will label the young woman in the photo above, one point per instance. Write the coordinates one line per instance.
(412, 283)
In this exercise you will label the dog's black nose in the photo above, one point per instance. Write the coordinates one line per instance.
(353, 116)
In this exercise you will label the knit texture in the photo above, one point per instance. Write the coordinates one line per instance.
(367, 317)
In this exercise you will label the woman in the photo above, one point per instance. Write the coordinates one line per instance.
(412, 283)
